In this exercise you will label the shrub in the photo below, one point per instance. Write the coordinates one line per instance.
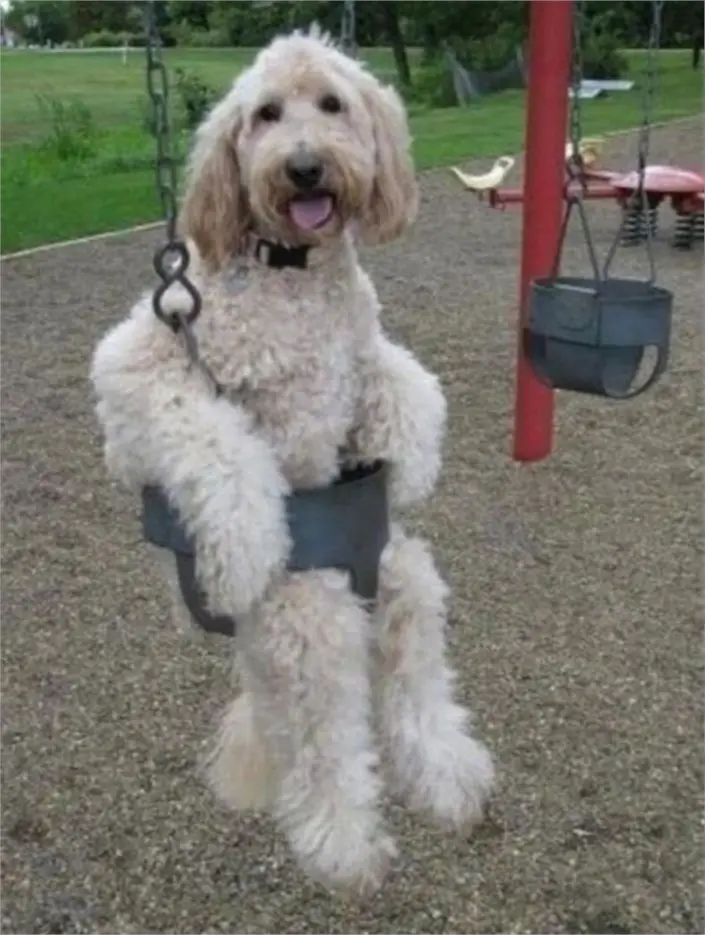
(184, 34)
(433, 84)
(601, 53)
(603, 59)
(488, 54)
(106, 39)
(110, 39)
(195, 95)
(72, 134)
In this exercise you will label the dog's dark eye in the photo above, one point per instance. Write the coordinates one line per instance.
(270, 112)
(330, 104)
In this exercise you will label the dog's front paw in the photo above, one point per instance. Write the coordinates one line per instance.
(346, 856)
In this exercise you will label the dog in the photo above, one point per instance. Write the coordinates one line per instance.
(307, 154)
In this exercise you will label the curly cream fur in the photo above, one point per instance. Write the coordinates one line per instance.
(307, 371)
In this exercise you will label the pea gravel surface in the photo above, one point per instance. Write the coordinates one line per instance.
(576, 624)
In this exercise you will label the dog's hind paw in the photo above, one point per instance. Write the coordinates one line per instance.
(349, 866)
(455, 788)
(239, 767)
(350, 856)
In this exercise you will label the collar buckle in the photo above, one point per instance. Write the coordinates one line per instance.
(278, 256)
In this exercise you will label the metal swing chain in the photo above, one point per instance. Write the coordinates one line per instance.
(347, 30)
(172, 259)
(576, 167)
(640, 197)
(575, 164)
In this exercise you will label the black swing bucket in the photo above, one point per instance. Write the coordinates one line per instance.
(589, 336)
(344, 526)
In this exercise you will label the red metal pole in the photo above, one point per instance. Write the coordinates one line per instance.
(550, 46)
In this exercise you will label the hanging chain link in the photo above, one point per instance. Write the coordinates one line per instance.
(171, 260)
(649, 91)
(575, 163)
(347, 30)
(158, 89)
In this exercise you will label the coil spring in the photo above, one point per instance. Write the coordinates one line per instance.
(635, 225)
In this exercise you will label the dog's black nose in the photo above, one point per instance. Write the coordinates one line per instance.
(305, 170)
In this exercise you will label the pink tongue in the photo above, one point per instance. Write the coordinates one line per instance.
(310, 213)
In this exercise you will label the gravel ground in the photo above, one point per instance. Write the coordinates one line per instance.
(577, 626)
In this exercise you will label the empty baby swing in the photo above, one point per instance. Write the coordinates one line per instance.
(589, 334)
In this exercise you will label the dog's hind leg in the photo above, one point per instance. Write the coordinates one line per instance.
(438, 766)
(239, 767)
(306, 657)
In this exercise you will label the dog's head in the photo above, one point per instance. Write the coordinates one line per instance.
(305, 142)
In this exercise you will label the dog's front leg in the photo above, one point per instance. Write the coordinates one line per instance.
(163, 425)
(401, 418)
(436, 762)
(305, 657)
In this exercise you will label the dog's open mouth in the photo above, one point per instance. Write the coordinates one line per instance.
(312, 211)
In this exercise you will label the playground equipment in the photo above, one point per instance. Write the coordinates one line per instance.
(589, 150)
(586, 334)
(683, 188)
(489, 181)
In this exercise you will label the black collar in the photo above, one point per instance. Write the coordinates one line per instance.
(278, 256)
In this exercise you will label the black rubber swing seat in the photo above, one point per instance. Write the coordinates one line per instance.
(590, 335)
(343, 526)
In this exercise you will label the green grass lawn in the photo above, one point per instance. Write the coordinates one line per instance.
(111, 89)
(45, 199)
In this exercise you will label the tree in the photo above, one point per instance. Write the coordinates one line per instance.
(429, 24)
(86, 16)
(697, 29)
(194, 12)
(390, 17)
(39, 21)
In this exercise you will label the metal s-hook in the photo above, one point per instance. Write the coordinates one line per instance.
(171, 260)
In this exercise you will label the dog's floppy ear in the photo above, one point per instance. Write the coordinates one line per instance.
(394, 199)
(214, 212)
